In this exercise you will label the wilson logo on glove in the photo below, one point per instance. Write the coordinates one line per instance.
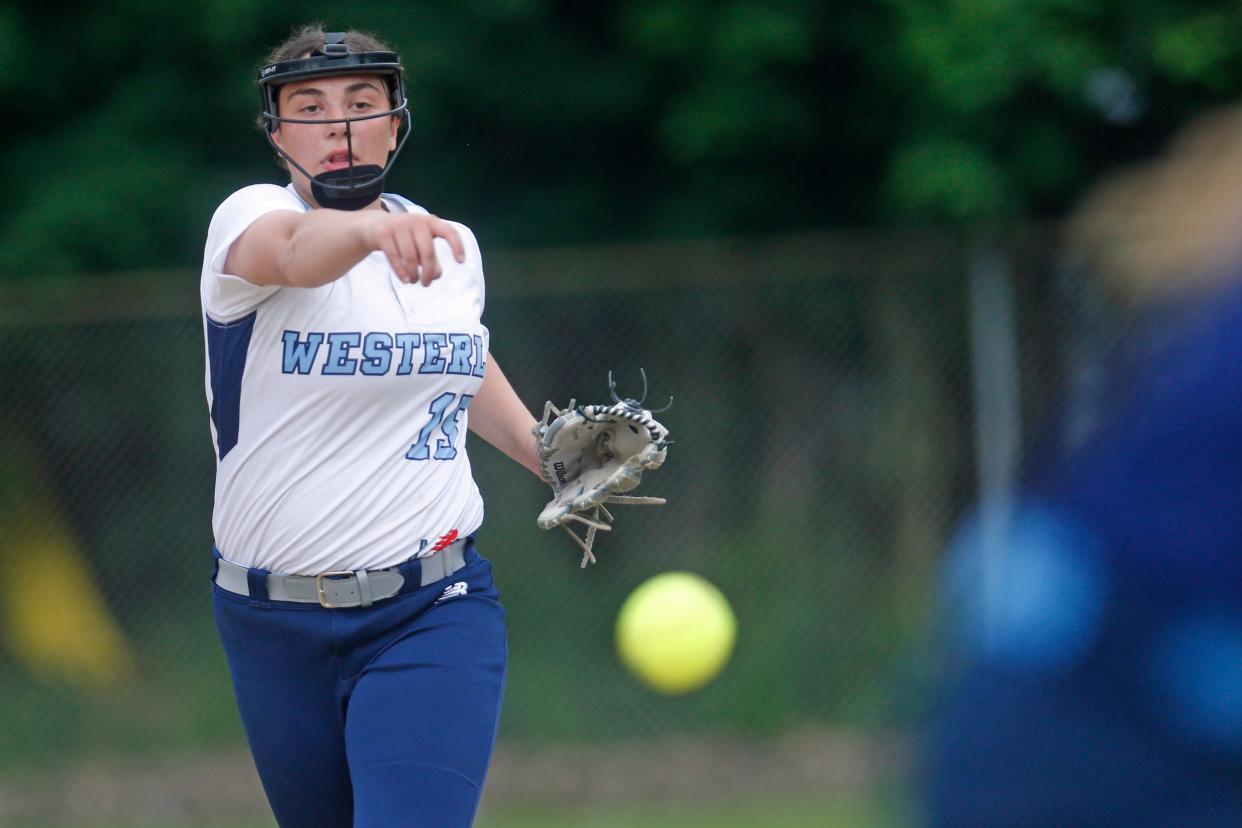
(591, 454)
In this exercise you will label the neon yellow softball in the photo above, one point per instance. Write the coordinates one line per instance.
(675, 632)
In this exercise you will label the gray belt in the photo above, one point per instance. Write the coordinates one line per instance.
(334, 590)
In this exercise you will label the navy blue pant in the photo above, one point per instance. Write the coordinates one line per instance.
(377, 716)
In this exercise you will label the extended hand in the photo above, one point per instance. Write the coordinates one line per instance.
(408, 240)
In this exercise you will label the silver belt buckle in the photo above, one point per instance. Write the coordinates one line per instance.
(323, 599)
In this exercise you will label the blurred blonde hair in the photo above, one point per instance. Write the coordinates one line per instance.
(1172, 226)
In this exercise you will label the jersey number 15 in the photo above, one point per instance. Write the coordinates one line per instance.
(447, 426)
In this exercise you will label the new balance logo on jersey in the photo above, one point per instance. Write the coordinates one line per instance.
(379, 353)
(454, 590)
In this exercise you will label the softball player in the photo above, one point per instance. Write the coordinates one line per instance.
(346, 358)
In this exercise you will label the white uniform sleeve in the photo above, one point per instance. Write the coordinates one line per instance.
(473, 263)
(227, 297)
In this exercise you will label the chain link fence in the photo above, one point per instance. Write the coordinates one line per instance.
(824, 428)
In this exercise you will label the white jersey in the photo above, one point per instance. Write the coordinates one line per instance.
(338, 413)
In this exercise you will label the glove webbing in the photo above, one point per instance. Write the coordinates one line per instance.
(595, 524)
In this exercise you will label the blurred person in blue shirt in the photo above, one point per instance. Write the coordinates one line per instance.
(1099, 681)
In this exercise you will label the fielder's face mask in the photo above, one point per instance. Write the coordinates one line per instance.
(354, 187)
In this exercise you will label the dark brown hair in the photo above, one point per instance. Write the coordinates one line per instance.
(310, 37)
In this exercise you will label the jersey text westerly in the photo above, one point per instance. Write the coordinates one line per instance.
(378, 353)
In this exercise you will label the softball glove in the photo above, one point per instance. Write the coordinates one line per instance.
(591, 455)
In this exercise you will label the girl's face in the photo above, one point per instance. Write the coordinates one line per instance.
(322, 147)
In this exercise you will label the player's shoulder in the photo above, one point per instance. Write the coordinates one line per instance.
(467, 235)
(254, 196)
(405, 204)
(410, 207)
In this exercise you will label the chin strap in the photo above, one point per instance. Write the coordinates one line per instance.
(349, 189)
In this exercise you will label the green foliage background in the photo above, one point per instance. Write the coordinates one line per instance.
(541, 122)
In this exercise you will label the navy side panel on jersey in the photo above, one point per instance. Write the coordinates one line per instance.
(227, 344)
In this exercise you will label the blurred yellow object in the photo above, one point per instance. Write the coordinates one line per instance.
(52, 617)
(675, 632)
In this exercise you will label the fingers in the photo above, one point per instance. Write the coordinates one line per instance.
(425, 243)
(409, 243)
(446, 231)
(387, 243)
